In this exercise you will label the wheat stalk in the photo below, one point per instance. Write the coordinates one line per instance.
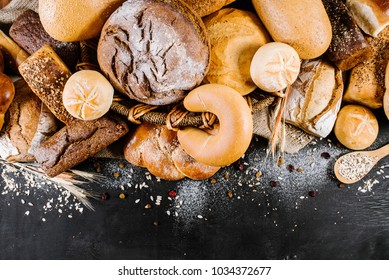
(67, 180)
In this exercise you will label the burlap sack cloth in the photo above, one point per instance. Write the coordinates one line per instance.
(295, 138)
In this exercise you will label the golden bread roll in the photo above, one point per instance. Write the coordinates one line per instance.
(13, 54)
(366, 85)
(235, 36)
(356, 127)
(74, 20)
(303, 24)
(7, 93)
(235, 131)
(206, 7)
(275, 66)
(372, 16)
(157, 149)
(386, 95)
(87, 95)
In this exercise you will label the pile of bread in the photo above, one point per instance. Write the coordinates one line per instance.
(328, 70)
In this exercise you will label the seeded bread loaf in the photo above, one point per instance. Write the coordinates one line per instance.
(46, 74)
(77, 142)
(348, 46)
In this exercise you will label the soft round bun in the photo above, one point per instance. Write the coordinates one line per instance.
(87, 95)
(75, 20)
(303, 24)
(157, 149)
(206, 7)
(235, 131)
(235, 36)
(356, 127)
(275, 66)
(154, 51)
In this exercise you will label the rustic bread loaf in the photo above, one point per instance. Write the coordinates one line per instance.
(348, 46)
(314, 99)
(157, 149)
(154, 51)
(23, 120)
(235, 36)
(27, 31)
(77, 142)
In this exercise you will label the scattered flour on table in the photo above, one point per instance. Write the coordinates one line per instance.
(22, 187)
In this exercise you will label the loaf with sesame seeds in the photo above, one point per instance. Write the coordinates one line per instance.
(46, 74)
(348, 46)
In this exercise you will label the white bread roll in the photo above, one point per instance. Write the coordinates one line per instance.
(315, 98)
(87, 95)
(372, 16)
(303, 24)
(356, 127)
(275, 66)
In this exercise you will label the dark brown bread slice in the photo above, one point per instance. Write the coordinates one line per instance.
(46, 74)
(28, 32)
(348, 46)
(77, 142)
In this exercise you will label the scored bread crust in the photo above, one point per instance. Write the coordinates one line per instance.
(157, 148)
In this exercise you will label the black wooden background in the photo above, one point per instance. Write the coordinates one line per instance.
(237, 215)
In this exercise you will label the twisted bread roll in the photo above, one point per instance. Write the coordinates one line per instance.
(7, 93)
(157, 149)
(236, 125)
(13, 54)
(386, 95)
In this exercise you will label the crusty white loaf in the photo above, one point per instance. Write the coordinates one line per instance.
(315, 98)
(372, 16)
(303, 24)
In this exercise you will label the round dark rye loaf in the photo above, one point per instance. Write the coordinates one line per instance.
(154, 50)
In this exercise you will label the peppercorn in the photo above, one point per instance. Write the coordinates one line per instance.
(312, 193)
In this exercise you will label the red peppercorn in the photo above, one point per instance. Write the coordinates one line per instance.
(291, 168)
(325, 155)
(273, 184)
(238, 165)
(104, 196)
(172, 193)
(312, 193)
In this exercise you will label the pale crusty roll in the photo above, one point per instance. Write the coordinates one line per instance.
(303, 24)
(87, 95)
(274, 66)
(74, 20)
(236, 125)
(372, 16)
(356, 127)
(206, 7)
(235, 36)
